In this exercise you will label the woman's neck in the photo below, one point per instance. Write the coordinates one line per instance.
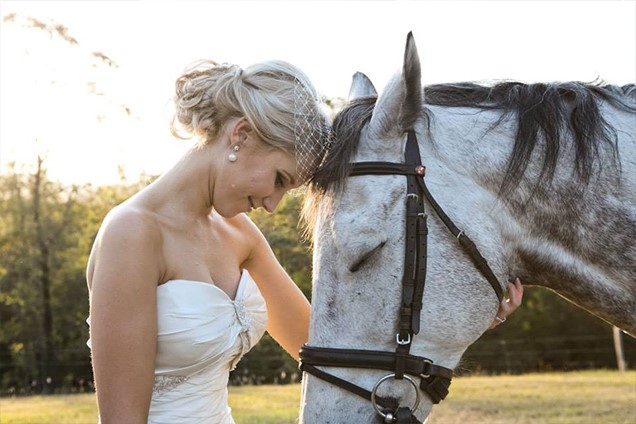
(186, 189)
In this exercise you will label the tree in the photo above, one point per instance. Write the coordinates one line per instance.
(46, 227)
(46, 232)
(39, 223)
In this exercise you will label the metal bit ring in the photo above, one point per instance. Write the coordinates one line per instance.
(382, 380)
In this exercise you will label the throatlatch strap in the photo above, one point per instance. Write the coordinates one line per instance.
(467, 244)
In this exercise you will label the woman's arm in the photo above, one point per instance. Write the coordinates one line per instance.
(122, 276)
(287, 306)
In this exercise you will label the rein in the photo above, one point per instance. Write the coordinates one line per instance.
(434, 379)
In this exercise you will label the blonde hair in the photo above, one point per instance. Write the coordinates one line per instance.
(276, 98)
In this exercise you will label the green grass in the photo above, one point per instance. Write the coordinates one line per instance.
(589, 397)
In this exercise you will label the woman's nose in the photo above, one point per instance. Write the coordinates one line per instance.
(271, 202)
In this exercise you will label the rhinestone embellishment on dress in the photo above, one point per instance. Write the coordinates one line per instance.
(243, 315)
(165, 383)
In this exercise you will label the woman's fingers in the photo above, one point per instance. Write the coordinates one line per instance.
(508, 306)
(515, 294)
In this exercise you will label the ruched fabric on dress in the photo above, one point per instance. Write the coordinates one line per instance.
(202, 334)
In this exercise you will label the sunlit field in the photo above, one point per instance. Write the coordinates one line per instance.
(589, 397)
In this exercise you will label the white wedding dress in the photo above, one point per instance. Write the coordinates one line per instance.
(202, 334)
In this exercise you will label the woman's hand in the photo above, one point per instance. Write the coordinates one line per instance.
(508, 306)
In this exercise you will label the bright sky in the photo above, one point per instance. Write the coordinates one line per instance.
(46, 107)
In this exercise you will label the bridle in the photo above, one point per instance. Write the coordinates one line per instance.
(434, 379)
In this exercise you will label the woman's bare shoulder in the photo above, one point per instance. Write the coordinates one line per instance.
(126, 229)
(130, 222)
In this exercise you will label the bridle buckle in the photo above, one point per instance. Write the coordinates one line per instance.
(401, 341)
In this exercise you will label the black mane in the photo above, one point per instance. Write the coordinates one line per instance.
(547, 112)
(346, 129)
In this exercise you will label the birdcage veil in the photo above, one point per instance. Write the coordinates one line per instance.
(312, 132)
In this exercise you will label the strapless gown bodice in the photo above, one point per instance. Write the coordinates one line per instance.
(202, 334)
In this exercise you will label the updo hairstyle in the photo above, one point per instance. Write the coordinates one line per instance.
(276, 98)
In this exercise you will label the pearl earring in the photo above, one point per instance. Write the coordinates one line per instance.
(232, 156)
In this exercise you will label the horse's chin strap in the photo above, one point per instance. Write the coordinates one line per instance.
(434, 379)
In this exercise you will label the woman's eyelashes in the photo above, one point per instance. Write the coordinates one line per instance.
(280, 180)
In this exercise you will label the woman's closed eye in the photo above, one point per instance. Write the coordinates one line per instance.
(365, 257)
(280, 180)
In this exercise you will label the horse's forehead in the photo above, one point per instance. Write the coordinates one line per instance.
(373, 147)
(368, 203)
(369, 213)
(371, 196)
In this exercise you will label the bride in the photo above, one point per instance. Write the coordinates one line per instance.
(181, 282)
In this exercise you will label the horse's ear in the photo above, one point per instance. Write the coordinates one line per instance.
(361, 86)
(412, 74)
(400, 104)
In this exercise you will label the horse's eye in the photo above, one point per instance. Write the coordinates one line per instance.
(365, 257)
